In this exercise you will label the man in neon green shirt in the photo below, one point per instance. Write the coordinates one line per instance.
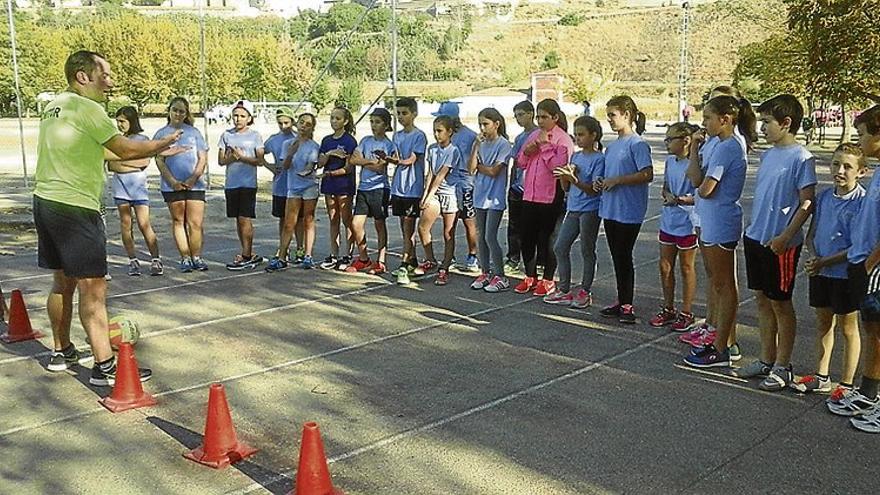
(76, 136)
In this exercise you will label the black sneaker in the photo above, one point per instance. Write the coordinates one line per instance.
(627, 314)
(108, 378)
(343, 263)
(611, 311)
(61, 361)
(329, 262)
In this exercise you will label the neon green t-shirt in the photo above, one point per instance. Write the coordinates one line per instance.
(70, 152)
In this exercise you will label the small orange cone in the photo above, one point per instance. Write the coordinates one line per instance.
(312, 476)
(220, 447)
(128, 391)
(19, 322)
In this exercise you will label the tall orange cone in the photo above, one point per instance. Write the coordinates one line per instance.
(312, 476)
(220, 446)
(128, 391)
(19, 322)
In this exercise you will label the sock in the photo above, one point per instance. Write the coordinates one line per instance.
(869, 387)
(846, 385)
(157, 259)
(822, 377)
(107, 365)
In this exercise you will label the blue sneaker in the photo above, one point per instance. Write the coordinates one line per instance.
(472, 264)
(308, 263)
(708, 357)
(277, 264)
(185, 265)
(200, 264)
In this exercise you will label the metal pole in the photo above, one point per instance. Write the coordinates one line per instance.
(683, 71)
(394, 33)
(204, 84)
(17, 93)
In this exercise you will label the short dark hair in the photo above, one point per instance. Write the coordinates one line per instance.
(871, 119)
(134, 122)
(524, 106)
(408, 103)
(782, 106)
(82, 60)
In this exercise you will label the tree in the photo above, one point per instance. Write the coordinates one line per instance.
(351, 94)
(583, 86)
(775, 65)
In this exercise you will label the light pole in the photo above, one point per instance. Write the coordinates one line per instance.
(683, 71)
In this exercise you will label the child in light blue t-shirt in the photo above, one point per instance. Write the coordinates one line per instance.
(490, 163)
(582, 214)
(276, 145)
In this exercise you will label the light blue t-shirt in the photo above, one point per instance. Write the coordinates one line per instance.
(676, 220)
(409, 180)
(304, 159)
(276, 146)
(131, 186)
(373, 180)
(240, 174)
(865, 227)
(625, 156)
(705, 154)
(832, 220)
(437, 158)
(589, 167)
(721, 214)
(490, 193)
(783, 172)
(463, 139)
(518, 174)
(183, 165)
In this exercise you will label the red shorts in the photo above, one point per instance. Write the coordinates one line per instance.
(679, 241)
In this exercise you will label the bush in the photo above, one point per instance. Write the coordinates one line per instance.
(551, 60)
(351, 94)
(571, 19)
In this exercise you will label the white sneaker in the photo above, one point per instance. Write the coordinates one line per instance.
(498, 284)
(480, 282)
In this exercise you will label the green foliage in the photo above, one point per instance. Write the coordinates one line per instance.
(551, 60)
(321, 95)
(588, 86)
(775, 65)
(351, 94)
(571, 19)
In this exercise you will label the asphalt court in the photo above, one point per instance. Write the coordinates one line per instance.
(417, 389)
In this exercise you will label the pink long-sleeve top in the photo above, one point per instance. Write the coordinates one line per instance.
(540, 185)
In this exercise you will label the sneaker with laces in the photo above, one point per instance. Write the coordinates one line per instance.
(851, 403)
(199, 263)
(471, 264)
(779, 378)
(307, 263)
(627, 314)
(753, 369)
(64, 359)
(343, 263)
(377, 268)
(401, 275)
(480, 282)
(708, 357)
(544, 288)
(559, 297)
(277, 264)
(869, 421)
(511, 267)
(100, 378)
(236, 264)
(156, 268)
(693, 334)
(526, 285)
(682, 322)
(134, 268)
(664, 317)
(425, 267)
(359, 265)
(839, 392)
(581, 299)
(185, 265)
(612, 311)
(254, 261)
(812, 383)
(497, 284)
(735, 352)
(442, 277)
(299, 256)
(329, 263)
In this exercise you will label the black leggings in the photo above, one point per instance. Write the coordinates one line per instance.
(538, 223)
(621, 241)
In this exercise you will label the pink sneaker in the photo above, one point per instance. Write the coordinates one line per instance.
(706, 338)
(694, 335)
(582, 299)
(559, 297)
(480, 282)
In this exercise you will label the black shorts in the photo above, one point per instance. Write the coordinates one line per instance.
(70, 238)
(406, 207)
(770, 273)
(373, 204)
(834, 293)
(185, 195)
(279, 204)
(241, 202)
(465, 197)
(868, 305)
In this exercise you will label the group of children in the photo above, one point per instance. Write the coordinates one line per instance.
(554, 195)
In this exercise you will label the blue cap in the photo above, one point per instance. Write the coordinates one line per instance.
(449, 108)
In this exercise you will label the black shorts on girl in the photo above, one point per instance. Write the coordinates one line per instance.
(241, 202)
(279, 204)
(373, 204)
(834, 293)
(184, 195)
(772, 274)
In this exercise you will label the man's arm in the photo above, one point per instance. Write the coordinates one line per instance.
(124, 148)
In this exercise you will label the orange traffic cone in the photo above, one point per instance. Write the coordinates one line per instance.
(19, 322)
(128, 391)
(312, 476)
(220, 447)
